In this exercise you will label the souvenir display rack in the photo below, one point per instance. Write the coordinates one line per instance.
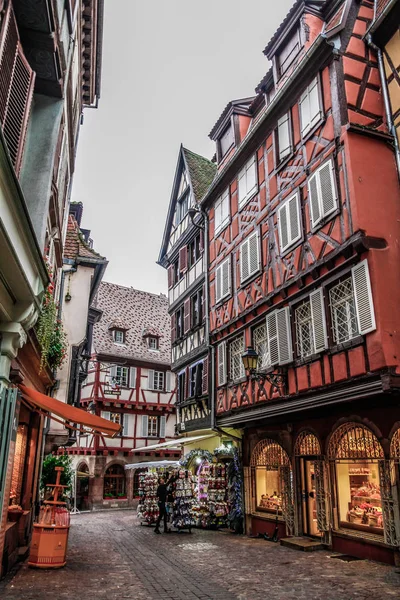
(50, 535)
(147, 509)
(211, 508)
(184, 501)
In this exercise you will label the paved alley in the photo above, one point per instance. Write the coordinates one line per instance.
(112, 557)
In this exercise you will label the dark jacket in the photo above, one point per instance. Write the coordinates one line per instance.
(162, 492)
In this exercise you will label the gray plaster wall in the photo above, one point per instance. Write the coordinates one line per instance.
(39, 154)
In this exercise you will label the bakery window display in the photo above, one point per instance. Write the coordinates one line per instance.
(268, 487)
(359, 496)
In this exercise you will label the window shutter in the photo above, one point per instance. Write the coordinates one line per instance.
(132, 377)
(254, 253)
(363, 298)
(283, 227)
(305, 113)
(327, 188)
(163, 423)
(244, 261)
(272, 338)
(242, 188)
(18, 78)
(203, 303)
(294, 219)
(183, 259)
(251, 176)
(112, 373)
(218, 283)
(145, 426)
(204, 383)
(226, 278)
(170, 276)
(106, 414)
(314, 102)
(201, 242)
(150, 382)
(125, 424)
(318, 320)
(217, 216)
(186, 315)
(284, 145)
(221, 352)
(314, 200)
(173, 328)
(284, 335)
(168, 377)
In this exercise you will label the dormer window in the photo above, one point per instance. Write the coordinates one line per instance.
(226, 141)
(288, 53)
(119, 336)
(182, 207)
(153, 343)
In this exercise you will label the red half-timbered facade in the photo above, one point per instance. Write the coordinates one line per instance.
(304, 220)
(130, 383)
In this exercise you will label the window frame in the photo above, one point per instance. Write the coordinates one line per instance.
(292, 243)
(305, 132)
(281, 161)
(181, 389)
(267, 365)
(227, 128)
(218, 205)
(118, 378)
(159, 387)
(246, 242)
(119, 331)
(289, 38)
(153, 419)
(219, 269)
(325, 217)
(195, 385)
(155, 340)
(242, 373)
(197, 299)
(179, 318)
(249, 192)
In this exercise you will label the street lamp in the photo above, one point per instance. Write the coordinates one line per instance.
(250, 361)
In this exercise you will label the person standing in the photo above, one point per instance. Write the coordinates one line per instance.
(162, 498)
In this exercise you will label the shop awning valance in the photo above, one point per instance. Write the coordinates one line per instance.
(175, 443)
(69, 413)
(154, 463)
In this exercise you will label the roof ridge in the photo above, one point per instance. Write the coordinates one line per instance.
(126, 287)
(197, 154)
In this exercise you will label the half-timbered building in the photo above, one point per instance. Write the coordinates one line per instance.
(130, 383)
(304, 217)
(182, 254)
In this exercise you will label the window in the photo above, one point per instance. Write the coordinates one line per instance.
(351, 303)
(153, 343)
(119, 376)
(283, 138)
(311, 325)
(260, 343)
(117, 418)
(181, 395)
(249, 257)
(152, 430)
(269, 463)
(236, 349)
(289, 223)
(179, 320)
(222, 212)
(223, 280)
(119, 336)
(310, 107)
(194, 251)
(226, 141)
(279, 337)
(182, 207)
(289, 53)
(156, 380)
(247, 181)
(322, 193)
(221, 358)
(197, 308)
(196, 380)
(114, 482)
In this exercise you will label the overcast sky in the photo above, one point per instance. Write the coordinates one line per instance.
(169, 69)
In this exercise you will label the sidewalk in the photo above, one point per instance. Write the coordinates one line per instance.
(112, 557)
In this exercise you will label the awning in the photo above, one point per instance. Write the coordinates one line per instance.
(69, 413)
(154, 463)
(175, 443)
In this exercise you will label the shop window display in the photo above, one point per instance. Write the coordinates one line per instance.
(268, 458)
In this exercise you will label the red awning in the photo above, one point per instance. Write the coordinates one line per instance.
(69, 413)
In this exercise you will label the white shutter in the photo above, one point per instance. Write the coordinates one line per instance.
(272, 338)
(150, 380)
(254, 253)
(363, 297)
(294, 218)
(163, 423)
(226, 278)
(327, 188)
(284, 335)
(225, 212)
(314, 102)
(283, 227)
(284, 146)
(132, 377)
(221, 357)
(168, 378)
(125, 424)
(218, 283)
(244, 261)
(145, 426)
(242, 188)
(106, 414)
(218, 215)
(305, 113)
(318, 320)
(112, 374)
(251, 175)
(314, 200)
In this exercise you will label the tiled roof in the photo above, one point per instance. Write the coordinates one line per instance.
(241, 105)
(380, 7)
(138, 311)
(75, 245)
(201, 171)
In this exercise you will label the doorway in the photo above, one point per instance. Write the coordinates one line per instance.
(309, 500)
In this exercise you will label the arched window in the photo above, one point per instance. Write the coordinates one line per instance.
(307, 444)
(355, 452)
(114, 482)
(395, 445)
(267, 460)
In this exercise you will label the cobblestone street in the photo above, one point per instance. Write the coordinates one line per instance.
(111, 556)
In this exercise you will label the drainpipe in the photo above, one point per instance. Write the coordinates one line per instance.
(386, 100)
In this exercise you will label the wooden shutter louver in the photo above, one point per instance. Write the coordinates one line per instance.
(318, 320)
(244, 261)
(279, 337)
(221, 356)
(363, 298)
(170, 276)
(150, 380)
(204, 383)
(249, 257)
(163, 424)
(168, 376)
(226, 279)
(132, 377)
(183, 259)
(16, 85)
(289, 222)
(173, 328)
(322, 191)
(186, 315)
(145, 426)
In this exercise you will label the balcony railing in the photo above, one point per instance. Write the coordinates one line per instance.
(190, 277)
